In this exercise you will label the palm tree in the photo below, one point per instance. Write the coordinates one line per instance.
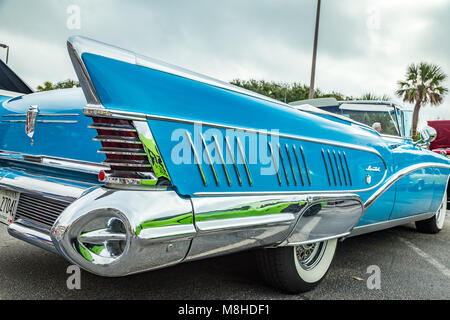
(422, 85)
(374, 97)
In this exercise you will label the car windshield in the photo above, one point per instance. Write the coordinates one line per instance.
(369, 114)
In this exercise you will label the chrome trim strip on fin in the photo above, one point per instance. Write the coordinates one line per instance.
(211, 164)
(348, 169)
(306, 165)
(197, 160)
(290, 163)
(343, 169)
(275, 163)
(236, 169)
(219, 152)
(282, 164)
(332, 168)
(337, 167)
(298, 165)
(326, 166)
(241, 151)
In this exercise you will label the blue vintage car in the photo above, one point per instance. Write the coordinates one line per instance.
(149, 165)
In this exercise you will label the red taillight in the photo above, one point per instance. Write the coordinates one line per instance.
(101, 176)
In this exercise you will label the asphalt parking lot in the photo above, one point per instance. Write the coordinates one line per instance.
(413, 266)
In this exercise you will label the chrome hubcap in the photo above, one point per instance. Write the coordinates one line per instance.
(309, 255)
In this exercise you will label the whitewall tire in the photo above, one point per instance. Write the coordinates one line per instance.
(436, 222)
(297, 269)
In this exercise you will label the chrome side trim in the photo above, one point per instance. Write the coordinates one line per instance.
(247, 222)
(42, 121)
(63, 163)
(57, 121)
(14, 115)
(43, 115)
(397, 176)
(197, 160)
(389, 224)
(229, 224)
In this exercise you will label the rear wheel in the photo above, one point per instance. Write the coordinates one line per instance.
(435, 223)
(297, 269)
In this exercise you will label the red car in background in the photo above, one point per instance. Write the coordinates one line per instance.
(442, 142)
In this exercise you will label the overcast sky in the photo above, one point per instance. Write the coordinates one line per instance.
(364, 45)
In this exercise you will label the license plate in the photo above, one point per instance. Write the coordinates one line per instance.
(8, 205)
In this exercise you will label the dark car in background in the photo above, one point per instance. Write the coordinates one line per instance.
(442, 142)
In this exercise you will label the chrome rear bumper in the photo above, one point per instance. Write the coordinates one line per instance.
(32, 234)
(113, 232)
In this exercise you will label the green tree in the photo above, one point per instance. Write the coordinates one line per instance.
(47, 86)
(422, 85)
(284, 92)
